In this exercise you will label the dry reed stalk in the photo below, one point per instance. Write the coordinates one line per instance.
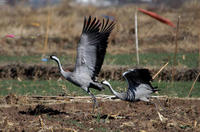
(176, 48)
(160, 70)
(193, 85)
(2, 41)
(22, 25)
(41, 122)
(199, 52)
(47, 32)
(162, 118)
(70, 129)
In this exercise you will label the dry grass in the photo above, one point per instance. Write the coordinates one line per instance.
(66, 25)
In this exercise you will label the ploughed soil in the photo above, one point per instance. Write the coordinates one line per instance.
(14, 71)
(59, 113)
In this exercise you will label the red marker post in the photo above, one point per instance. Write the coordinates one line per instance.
(157, 17)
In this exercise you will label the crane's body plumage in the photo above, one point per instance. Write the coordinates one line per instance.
(90, 54)
(139, 85)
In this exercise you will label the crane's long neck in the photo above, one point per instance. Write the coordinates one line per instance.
(64, 73)
(59, 65)
(119, 95)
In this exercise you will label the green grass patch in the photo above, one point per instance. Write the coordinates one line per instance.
(153, 59)
(36, 59)
(178, 89)
(43, 87)
(147, 59)
(53, 87)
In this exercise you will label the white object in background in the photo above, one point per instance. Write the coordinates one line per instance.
(136, 38)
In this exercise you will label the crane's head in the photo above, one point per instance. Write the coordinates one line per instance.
(53, 57)
(105, 83)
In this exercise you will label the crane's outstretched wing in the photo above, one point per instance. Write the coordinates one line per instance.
(136, 77)
(101, 49)
(92, 46)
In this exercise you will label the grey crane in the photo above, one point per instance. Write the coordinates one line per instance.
(139, 85)
(90, 55)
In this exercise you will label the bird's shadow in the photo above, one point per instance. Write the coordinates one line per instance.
(42, 109)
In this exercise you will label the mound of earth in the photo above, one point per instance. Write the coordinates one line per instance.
(14, 71)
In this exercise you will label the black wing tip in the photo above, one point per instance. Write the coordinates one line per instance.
(108, 26)
(146, 74)
(91, 25)
(142, 73)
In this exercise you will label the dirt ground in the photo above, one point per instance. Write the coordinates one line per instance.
(57, 113)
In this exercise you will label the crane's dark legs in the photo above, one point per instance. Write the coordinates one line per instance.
(160, 103)
(94, 100)
(162, 108)
(96, 85)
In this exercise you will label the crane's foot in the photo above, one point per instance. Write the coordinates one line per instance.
(159, 106)
(95, 104)
(162, 107)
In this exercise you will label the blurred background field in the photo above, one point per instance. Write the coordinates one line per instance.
(65, 25)
(29, 24)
